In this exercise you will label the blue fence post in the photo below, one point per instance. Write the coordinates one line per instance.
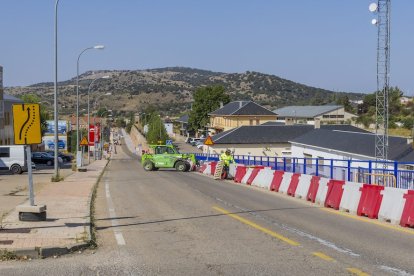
(369, 171)
(284, 163)
(317, 167)
(349, 170)
(304, 165)
(268, 161)
(294, 165)
(261, 161)
(275, 163)
(332, 168)
(243, 160)
(396, 174)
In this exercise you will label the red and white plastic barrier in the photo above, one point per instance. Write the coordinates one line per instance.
(351, 197)
(392, 205)
(287, 177)
(263, 178)
(385, 203)
(303, 186)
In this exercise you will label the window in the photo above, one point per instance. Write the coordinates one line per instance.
(257, 122)
(325, 116)
(5, 152)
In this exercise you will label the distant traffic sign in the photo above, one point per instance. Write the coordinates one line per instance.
(26, 124)
(168, 142)
(84, 142)
(209, 141)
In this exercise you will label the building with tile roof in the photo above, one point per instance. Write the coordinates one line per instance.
(309, 114)
(239, 113)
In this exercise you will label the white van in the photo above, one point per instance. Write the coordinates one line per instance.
(13, 158)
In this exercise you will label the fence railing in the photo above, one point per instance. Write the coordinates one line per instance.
(390, 174)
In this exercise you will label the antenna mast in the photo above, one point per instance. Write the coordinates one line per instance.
(383, 9)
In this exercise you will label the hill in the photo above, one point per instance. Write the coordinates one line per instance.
(170, 89)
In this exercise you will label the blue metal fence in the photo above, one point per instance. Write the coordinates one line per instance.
(391, 174)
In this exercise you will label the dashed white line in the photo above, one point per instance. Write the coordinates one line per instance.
(118, 235)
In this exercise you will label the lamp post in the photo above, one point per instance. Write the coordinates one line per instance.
(78, 155)
(56, 167)
(89, 121)
(94, 124)
(102, 140)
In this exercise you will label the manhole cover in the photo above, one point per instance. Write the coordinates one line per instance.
(17, 230)
(6, 242)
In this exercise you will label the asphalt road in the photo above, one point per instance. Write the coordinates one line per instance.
(171, 223)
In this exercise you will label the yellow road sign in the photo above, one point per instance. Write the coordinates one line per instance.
(26, 124)
(84, 141)
(209, 141)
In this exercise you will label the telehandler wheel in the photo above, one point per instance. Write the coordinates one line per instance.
(148, 165)
(180, 166)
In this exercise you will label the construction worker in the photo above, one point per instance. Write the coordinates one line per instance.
(227, 159)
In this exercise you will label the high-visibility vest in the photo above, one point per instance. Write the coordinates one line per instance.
(226, 158)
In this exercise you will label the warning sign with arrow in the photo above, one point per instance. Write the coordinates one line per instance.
(84, 141)
(209, 141)
(26, 124)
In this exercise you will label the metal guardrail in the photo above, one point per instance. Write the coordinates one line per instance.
(395, 174)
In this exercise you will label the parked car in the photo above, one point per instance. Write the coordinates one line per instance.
(192, 140)
(42, 158)
(13, 158)
(61, 144)
(65, 157)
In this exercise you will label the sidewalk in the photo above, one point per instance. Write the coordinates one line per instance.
(67, 227)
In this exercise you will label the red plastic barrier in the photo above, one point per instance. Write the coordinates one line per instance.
(254, 174)
(213, 167)
(293, 184)
(240, 172)
(370, 201)
(313, 189)
(202, 168)
(407, 218)
(334, 194)
(276, 181)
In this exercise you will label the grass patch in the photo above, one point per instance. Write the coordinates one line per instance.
(7, 255)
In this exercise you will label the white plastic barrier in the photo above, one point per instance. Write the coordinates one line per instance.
(392, 205)
(350, 197)
(284, 186)
(263, 178)
(322, 191)
(232, 169)
(208, 169)
(303, 186)
(247, 175)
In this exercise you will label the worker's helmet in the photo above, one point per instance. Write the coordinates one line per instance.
(228, 151)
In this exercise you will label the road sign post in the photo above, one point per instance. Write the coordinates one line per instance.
(27, 131)
(208, 142)
(83, 144)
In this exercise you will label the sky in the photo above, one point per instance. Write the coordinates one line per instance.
(329, 44)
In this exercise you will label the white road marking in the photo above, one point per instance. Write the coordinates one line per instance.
(118, 234)
(395, 271)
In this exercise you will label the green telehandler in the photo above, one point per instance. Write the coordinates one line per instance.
(167, 156)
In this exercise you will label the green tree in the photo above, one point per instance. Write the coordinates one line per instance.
(344, 101)
(206, 100)
(44, 114)
(156, 130)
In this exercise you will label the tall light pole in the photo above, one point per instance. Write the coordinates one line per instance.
(79, 155)
(89, 120)
(56, 167)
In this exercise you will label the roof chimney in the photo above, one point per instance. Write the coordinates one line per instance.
(317, 123)
(240, 104)
(221, 104)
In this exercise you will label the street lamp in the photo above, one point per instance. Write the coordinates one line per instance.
(89, 121)
(55, 113)
(78, 155)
